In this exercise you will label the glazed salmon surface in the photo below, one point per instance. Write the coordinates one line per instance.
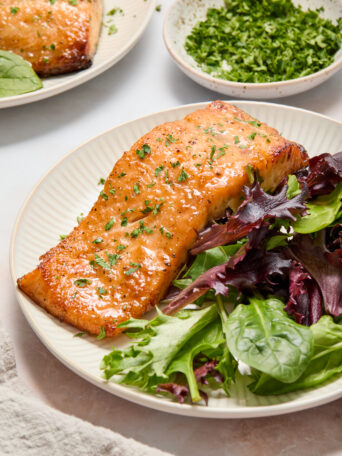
(55, 37)
(121, 259)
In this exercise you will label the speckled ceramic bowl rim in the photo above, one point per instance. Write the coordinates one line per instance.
(131, 394)
(239, 85)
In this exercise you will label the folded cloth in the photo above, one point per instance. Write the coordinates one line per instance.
(31, 428)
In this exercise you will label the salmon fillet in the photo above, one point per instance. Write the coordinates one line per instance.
(54, 36)
(120, 260)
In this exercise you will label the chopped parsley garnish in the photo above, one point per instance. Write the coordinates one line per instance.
(102, 333)
(163, 231)
(268, 41)
(113, 258)
(171, 139)
(146, 149)
(252, 135)
(80, 217)
(121, 247)
(152, 184)
(82, 282)
(221, 153)
(112, 29)
(212, 153)
(122, 174)
(80, 334)
(74, 295)
(102, 291)
(62, 236)
(135, 233)
(159, 170)
(136, 188)
(98, 240)
(113, 11)
(124, 221)
(109, 225)
(132, 270)
(183, 176)
(236, 140)
(112, 191)
(175, 164)
(14, 9)
(157, 208)
(102, 181)
(101, 262)
(104, 196)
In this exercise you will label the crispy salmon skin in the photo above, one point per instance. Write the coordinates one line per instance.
(54, 36)
(120, 260)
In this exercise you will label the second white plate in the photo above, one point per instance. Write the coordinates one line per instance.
(111, 48)
(71, 187)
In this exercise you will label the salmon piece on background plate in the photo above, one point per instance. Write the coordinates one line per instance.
(54, 36)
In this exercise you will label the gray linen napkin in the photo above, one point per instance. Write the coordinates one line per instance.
(28, 427)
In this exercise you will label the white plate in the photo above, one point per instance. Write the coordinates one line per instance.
(111, 48)
(184, 14)
(71, 187)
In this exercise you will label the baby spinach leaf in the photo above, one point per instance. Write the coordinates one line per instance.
(16, 75)
(322, 212)
(210, 258)
(325, 363)
(144, 364)
(263, 336)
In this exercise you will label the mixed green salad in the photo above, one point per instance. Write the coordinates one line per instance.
(263, 41)
(261, 294)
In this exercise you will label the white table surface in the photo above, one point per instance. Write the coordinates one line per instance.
(32, 139)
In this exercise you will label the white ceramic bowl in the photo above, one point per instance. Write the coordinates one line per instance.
(184, 14)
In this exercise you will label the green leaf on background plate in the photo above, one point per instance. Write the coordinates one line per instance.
(16, 75)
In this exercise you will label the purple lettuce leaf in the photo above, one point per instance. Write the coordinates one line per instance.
(255, 210)
(182, 392)
(323, 174)
(314, 257)
(334, 245)
(208, 368)
(305, 301)
(257, 266)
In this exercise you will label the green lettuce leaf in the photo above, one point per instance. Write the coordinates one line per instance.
(325, 363)
(144, 364)
(209, 338)
(203, 262)
(322, 212)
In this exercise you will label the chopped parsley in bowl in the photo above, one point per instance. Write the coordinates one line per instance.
(256, 49)
(263, 41)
